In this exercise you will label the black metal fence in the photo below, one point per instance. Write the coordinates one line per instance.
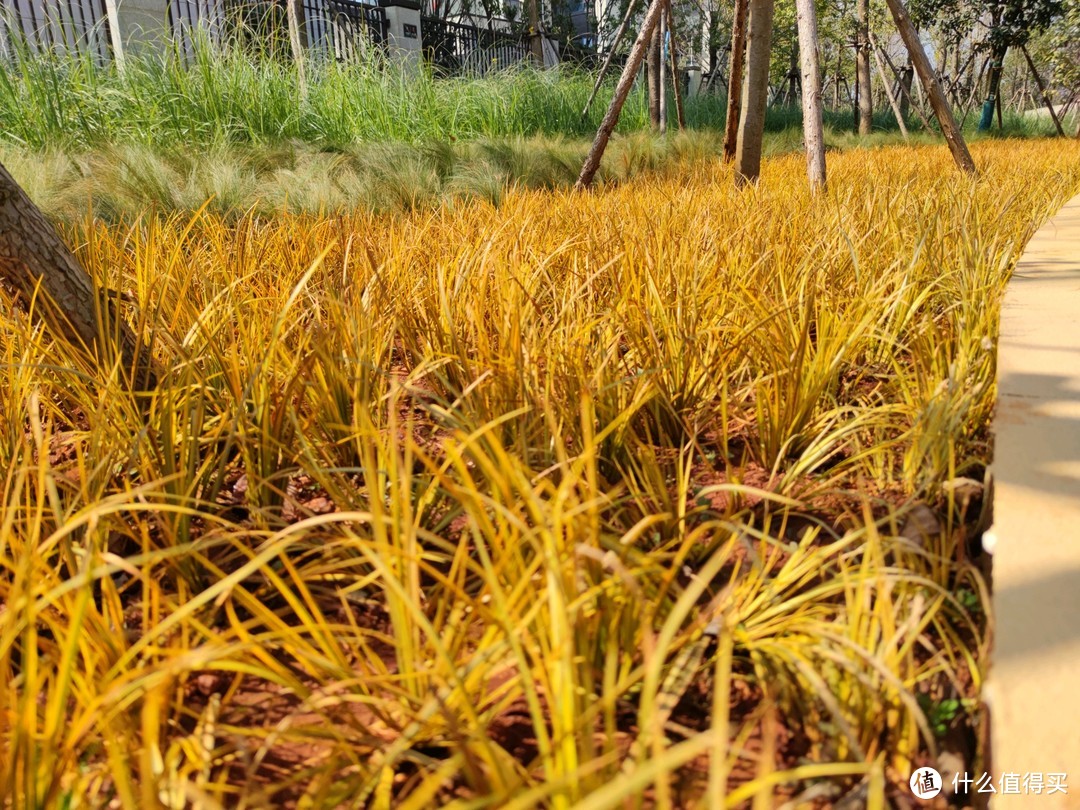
(343, 29)
(186, 17)
(453, 48)
(338, 29)
(55, 26)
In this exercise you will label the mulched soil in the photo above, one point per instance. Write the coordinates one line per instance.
(254, 707)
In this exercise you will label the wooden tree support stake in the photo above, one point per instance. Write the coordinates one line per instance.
(903, 87)
(663, 70)
(929, 80)
(631, 7)
(622, 89)
(1042, 91)
(680, 115)
(889, 93)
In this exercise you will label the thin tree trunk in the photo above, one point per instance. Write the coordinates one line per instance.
(813, 129)
(755, 93)
(836, 85)
(716, 74)
(792, 75)
(862, 69)
(1042, 91)
(652, 68)
(735, 79)
(41, 269)
(622, 89)
(905, 79)
(929, 80)
(858, 95)
(889, 93)
(536, 39)
(663, 65)
(676, 83)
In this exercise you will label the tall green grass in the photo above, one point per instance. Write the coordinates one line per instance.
(227, 95)
(222, 95)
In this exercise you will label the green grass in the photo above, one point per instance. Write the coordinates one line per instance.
(228, 96)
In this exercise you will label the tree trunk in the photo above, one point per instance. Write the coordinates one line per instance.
(37, 264)
(906, 77)
(663, 65)
(929, 80)
(652, 68)
(974, 88)
(735, 79)
(626, 80)
(813, 129)
(793, 75)
(836, 85)
(755, 93)
(862, 68)
(536, 39)
(993, 87)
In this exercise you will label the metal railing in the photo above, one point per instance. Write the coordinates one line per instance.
(453, 48)
(188, 16)
(339, 29)
(55, 26)
(343, 29)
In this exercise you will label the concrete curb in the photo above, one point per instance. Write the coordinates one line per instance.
(1034, 688)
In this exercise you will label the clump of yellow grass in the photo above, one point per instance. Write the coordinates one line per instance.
(500, 507)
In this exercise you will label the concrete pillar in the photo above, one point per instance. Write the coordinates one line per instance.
(403, 35)
(693, 73)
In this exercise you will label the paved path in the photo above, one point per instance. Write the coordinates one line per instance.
(1034, 689)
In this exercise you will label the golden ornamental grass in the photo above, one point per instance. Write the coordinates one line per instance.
(572, 502)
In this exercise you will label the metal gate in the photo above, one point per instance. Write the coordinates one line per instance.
(343, 29)
(453, 48)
